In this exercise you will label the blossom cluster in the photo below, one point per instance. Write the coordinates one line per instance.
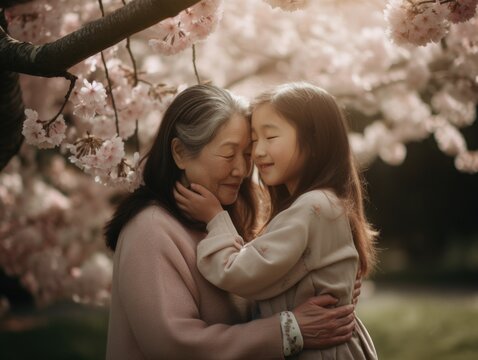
(105, 160)
(42, 21)
(189, 26)
(43, 133)
(288, 5)
(50, 231)
(422, 22)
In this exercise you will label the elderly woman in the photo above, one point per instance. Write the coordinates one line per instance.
(162, 308)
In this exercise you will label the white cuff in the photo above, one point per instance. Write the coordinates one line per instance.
(292, 341)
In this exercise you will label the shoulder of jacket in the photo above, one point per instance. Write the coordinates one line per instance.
(323, 202)
(155, 220)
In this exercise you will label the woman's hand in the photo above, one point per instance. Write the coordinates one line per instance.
(323, 325)
(199, 203)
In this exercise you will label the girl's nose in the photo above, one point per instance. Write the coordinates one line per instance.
(258, 150)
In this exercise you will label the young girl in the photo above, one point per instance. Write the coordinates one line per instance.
(316, 238)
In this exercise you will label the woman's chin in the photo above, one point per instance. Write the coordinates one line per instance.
(228, 200)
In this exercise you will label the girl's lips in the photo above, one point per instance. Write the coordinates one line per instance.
(263, 167)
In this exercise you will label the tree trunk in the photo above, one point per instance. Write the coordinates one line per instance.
(11, 116)
(7, 3)
(55, 58)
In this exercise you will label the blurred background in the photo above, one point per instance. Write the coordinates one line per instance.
(412, 111)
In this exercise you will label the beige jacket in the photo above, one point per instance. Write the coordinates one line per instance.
(162, 308)
(306, 250)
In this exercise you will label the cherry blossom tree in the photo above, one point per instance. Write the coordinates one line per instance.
(403, 70)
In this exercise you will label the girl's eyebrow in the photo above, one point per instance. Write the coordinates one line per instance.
(267, 126)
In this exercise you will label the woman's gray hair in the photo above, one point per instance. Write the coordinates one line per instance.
(203, 110)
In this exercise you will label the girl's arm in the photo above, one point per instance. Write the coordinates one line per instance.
(266, 266)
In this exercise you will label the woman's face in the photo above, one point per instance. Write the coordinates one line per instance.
(222, 165)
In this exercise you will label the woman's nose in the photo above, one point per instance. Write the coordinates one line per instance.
(240, 168)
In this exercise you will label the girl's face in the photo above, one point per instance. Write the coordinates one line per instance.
(222, 165)
(275, 148)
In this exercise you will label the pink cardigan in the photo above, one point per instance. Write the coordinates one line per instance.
(162, 308)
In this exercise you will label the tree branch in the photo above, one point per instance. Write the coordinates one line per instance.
(50, 59)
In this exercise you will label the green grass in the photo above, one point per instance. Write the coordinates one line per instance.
(65, 331)
(411, 326)
(405, 325)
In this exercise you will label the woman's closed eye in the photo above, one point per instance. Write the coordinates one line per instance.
(228, 157)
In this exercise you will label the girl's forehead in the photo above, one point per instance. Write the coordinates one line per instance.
(263, 112)
(266, 117)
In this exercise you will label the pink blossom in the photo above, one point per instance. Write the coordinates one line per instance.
(84, 111)
(460, 112)
(110, 153)
(126, 174)
(30, 22)
(415, 24)
(89, 100)
(33, 128)
(394, 153)
(43, 133)
(104, 127)
(450, 140)
(56, 131)
(96, 156)
(288, 5)
(178, 33)
(93, 93)
(171, 38)
(462, 10)
(201, 19)
(96, 273)
(467, 161)
(205, 8)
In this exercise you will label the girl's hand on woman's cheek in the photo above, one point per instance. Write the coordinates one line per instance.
(199, 203)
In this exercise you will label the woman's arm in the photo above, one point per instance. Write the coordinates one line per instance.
(322, 325)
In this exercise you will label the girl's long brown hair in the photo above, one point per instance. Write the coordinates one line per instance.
(323, 138)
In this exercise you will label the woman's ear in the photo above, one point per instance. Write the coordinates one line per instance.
(179, 153)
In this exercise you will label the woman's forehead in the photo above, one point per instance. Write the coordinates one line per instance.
(235, 132)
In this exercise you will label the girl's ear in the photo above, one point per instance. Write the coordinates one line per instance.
(179, 153)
